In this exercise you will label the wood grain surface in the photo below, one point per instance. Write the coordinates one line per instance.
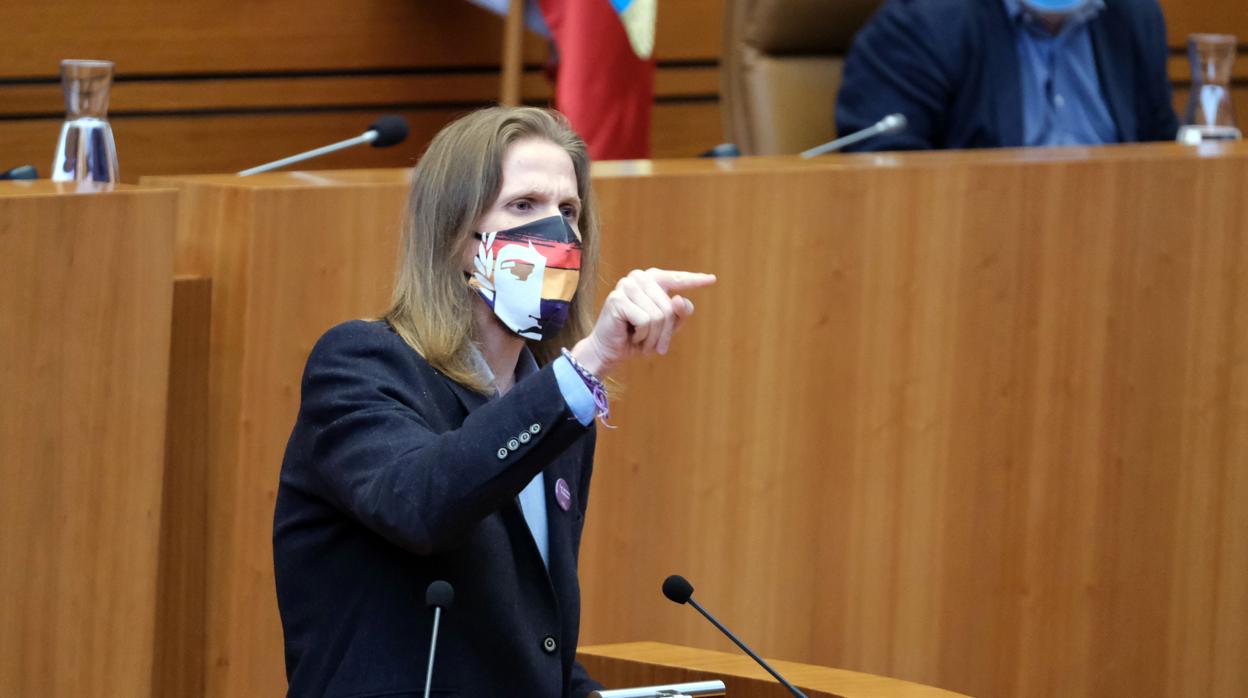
(969, 420)
(218, 87)
(973, 420)
(179, 144)
(178, 668)
(85, 294)
(634, 664)
(288, 258)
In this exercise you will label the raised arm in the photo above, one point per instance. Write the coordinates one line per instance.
(372, 423)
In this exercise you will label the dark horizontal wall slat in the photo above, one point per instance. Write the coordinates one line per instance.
(306, 93)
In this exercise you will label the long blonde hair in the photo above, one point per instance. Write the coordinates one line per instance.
(454, 184)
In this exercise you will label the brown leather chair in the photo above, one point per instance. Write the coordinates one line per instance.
(781, 69)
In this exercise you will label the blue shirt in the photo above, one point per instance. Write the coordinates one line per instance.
(1062, 99)
(580, 402)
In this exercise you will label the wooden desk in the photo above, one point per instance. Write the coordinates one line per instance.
(976, 420)
(633, 664)
(86, 281)
(289, 256)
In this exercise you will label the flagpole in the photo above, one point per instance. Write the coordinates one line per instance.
(513, 54)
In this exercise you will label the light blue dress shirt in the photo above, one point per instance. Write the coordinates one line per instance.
(1062, 99)
(580, 402)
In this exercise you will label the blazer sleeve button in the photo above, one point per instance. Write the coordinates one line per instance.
(549, 645)
(534, 428)
(502, 453)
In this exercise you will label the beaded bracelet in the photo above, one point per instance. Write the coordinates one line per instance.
(596, 388)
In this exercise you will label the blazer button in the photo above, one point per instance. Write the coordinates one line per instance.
(513, 444)
(534, 428)
(549, 645)
(502, 453)
(524, 437)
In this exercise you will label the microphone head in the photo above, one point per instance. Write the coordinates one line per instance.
(677, 588)
(440, 594)
(23, 172)
(390, 129)
(893, 123)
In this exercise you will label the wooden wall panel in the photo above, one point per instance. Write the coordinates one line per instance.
(686, 129)
(85, 289)
(192, 144)
(978, 425)
(232, 143)
(1184, 17)
(223, 86)
(237, 132)
(153, 37)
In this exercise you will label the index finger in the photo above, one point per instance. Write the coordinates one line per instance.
(681, 280)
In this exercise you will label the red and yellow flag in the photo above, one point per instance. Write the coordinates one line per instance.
(605, 74)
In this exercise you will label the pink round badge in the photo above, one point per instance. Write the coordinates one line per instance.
(563, 494)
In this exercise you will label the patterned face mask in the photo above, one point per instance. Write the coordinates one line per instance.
(528, 275)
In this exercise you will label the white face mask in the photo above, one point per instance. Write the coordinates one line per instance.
(528, 275)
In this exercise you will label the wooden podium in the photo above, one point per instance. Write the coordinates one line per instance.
(86, 285)
(976, 420)
(634, 664)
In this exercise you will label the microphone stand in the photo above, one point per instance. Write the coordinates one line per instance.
(747, 650)
(892, 123)
(433, 647)
(366, 137)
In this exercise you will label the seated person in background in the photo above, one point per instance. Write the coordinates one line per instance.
(1006, 73)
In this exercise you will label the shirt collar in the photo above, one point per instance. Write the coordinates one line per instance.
(1016, 11)
(526, 364)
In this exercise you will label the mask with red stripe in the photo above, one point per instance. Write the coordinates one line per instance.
(528, 275)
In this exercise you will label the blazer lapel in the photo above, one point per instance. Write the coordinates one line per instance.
(1116, 82)
(469, 398)
(1006, 83)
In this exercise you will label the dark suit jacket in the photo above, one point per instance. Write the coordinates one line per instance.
(396, 476)
(952, 68)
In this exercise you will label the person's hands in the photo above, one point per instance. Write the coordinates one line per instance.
(640, 316)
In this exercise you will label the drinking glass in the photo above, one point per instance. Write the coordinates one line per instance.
(86, 151)
(1210, 115)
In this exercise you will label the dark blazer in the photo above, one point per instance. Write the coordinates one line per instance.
(952, 68)
(396, 476)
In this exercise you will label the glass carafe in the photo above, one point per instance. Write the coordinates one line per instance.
(86, 151)
(1210, 115)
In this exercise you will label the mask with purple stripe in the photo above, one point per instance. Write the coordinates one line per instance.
(528, 275)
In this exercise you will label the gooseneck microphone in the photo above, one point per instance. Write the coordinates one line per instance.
(23, 172)
(384, 132)
(893, 123)
(439, 595)
(677, 588)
